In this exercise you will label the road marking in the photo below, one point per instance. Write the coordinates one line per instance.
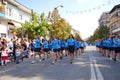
(93, 76)
(99, 75)
(5, 71)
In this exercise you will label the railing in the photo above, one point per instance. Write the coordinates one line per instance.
(114, 20)
(114, 13)
(115, 27)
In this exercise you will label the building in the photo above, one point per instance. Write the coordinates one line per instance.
(114, 19)
(12, 14)
(103, 21)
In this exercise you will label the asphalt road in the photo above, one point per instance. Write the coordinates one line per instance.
(88, 66)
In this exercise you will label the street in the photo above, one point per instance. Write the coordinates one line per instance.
(88, 66)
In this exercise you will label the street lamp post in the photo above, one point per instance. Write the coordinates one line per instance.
(54, 18)
(59, 6)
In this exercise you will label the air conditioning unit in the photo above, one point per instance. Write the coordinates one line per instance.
(4, 2)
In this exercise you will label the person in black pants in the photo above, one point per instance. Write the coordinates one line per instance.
(14, 49)
(1, 43)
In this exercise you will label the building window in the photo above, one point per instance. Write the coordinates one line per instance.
(118, 13)
(3, 35)
(20, 17)
(9, 11)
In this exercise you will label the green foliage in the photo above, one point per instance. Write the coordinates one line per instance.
(77, 36)
(62, 29)
(100, 33)
(38, 25)
(59, 27)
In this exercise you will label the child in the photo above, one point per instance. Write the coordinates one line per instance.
(4, 54)
(18, 54)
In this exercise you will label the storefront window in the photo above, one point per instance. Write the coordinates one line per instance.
(3, 35)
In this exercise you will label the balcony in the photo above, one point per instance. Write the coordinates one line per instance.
(114, 13)
(116, 30)
(114, 20)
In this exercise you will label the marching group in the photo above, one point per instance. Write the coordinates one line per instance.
(109, 47)
(24, 48)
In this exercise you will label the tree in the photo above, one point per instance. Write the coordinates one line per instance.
(60, 28)
(63, 29)
(45, 26)
(77, 36)
(38, 25)
(100, 33)
(103, 32)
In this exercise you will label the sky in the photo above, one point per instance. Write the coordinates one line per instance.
(83, 15)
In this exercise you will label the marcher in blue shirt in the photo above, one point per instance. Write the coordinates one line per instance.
(66, 48)
(46, 48)
(55, 45)
(59, 49)
(37, 49)
(108, 44)
(97, 43)
(32, 46)
(77, 47)
(116, 45)
(50, 46)
(62, 44)
(82, 46)
(71, 47)
(104, 47)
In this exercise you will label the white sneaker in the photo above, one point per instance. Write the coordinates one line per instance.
(40, 60)
(32, 62)
(53, 62)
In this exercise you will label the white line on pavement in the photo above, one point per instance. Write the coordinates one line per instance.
(5, 71)
(99, 75)
(93, 77)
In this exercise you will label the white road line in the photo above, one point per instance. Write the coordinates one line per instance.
(4, 71)
(99, 75)
(93, 76)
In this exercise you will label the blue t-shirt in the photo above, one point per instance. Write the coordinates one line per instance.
(50, 45)
(32, 45)
(55, 44)
(108, 43)
(82, 44)
(45, 44)
(77, 44)
(66, 45)
(37, 43)
(62, 44)
(59, 44)
(104, 43)
(97, 43)
(116, 42)
(71, 42)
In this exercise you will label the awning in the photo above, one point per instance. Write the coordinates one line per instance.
(12, 25)
(18, 25)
